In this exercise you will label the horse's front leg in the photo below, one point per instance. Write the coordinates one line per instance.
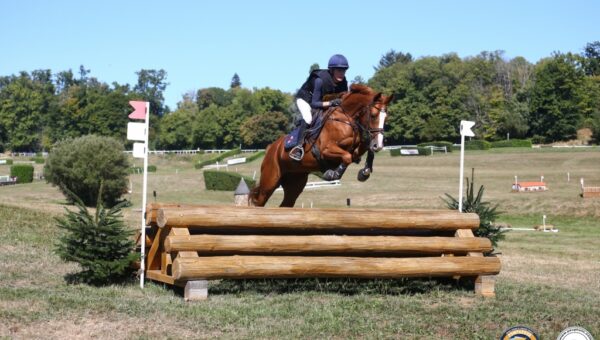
(336, 153)
(365, 173)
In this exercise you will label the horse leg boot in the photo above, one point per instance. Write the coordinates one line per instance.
(332, 175)
(297, 152)
(365, 173)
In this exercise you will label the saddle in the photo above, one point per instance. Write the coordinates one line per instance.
(312, 132)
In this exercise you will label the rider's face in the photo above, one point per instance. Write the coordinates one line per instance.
(338, 74)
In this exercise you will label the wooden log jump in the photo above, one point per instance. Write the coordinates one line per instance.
(325, 244)
(289, 218)
(254, 267)
(192, 243)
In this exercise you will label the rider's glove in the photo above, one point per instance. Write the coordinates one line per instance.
(335, 102)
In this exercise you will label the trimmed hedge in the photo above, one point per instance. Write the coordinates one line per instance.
(512, 143)
(8, 161)
(255, 156)
(38, 160)
(224, 181)
(448, 145)
(422, 152)
(139, 169)
(219, 158)
(23, 172)
(477, 145)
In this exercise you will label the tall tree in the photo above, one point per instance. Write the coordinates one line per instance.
(235, 81)
(591, 53)
(555, 113)
(392, 57)
(150, 86)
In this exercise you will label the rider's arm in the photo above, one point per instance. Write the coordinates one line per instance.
(316, 102)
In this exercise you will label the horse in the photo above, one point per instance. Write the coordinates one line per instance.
(347, 132)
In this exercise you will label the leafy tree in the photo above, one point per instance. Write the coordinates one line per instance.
(235, 81)
(175, 132)
(473, 203)
(260, 130)
(554, 112)
(99, 243)
(79, 165)
(358, 80)
(213, 95)
(150, 86)
(591, 54)
(392, 57)
(25, 104)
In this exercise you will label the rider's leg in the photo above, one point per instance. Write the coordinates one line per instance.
(298, 151)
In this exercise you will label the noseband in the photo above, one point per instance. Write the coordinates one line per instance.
(356, 125)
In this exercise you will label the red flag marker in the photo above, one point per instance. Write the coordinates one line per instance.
(139, 111)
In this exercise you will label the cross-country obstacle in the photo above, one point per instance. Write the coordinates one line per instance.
(187, 244)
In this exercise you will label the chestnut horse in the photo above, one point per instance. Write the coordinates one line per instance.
(347, 132)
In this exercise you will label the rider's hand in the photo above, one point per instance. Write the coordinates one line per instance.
(335, 102)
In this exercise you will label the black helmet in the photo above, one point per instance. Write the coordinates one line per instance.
(338, 61)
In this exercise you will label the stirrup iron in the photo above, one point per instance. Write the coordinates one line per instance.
(298, 149)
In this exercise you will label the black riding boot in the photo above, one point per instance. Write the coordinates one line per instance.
(297, 151)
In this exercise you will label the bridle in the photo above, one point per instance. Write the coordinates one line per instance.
(366, 133)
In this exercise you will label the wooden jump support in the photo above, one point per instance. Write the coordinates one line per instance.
(589, 192)
(188, 244)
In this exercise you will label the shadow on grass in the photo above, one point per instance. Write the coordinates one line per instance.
(343, 286)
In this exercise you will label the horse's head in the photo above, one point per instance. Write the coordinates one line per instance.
(375, 119)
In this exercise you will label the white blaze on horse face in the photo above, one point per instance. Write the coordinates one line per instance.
(382, 115)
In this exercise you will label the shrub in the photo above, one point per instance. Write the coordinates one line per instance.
(99, 243)
(80, 164)
(512, 143)
(226, 181)
(218, 158)
(448, 145)
(475, 204)
(477, 145)
(7, 161)
(23, 172)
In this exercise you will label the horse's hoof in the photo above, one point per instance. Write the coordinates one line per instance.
(331, 175)
(363, 175)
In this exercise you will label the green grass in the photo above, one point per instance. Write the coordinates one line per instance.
(549, 281)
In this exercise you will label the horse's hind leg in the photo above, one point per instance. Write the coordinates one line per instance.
(293, 184)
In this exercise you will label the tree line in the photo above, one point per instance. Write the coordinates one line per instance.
(547, 101)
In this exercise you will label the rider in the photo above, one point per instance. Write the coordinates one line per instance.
(309, 98)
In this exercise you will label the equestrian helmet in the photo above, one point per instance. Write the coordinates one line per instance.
(338, 61)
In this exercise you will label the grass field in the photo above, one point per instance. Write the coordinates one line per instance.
(549, 281)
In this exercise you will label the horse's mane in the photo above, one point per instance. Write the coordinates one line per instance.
(362, 89)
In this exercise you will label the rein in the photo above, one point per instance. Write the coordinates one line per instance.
(357, 126)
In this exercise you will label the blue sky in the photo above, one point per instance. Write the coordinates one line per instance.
(273, 43)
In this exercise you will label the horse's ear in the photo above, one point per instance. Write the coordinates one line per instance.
(377, 97)
(389, 99)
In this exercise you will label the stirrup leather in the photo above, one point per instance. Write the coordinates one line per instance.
(297, 152)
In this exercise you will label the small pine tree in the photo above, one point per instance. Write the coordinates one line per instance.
(99, 243)
(475, 204)
(235, 81)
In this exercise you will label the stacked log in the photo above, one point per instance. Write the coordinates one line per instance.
(195, 242)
